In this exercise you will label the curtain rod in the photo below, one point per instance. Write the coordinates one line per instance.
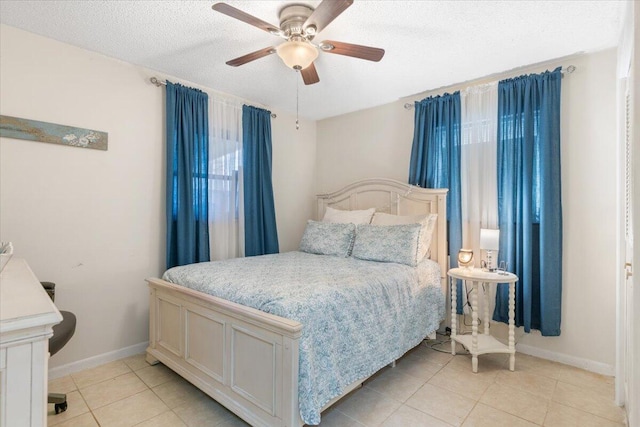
(570, 69)
(159, 83)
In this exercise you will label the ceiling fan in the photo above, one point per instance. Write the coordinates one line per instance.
(299, 24)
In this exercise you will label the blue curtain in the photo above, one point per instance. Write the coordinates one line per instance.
(260, 232)
(187, 180)
(529, 199)
(435, 160)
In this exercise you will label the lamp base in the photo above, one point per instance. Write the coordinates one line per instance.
(489, 266)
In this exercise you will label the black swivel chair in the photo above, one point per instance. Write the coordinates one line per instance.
(62, 333)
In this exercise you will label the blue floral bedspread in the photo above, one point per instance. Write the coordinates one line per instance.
(357, 316)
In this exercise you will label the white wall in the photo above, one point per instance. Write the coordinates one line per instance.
(588, 201)
(294, 177)
(93, 221)
(377, 142)
(370, 143)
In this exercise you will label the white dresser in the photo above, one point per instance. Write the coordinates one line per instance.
(27, 316)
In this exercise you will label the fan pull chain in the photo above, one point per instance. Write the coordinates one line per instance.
(297, 100)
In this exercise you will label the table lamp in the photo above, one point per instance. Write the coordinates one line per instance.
(490, 242)
(465, 258)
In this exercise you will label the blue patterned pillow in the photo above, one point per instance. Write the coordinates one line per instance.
(326, 238)
(427, 221)
(388, 243)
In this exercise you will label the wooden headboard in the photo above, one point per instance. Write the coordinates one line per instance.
(395, 197)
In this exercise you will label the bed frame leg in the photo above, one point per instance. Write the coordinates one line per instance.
(151, 360)
(432, 336)
(393, 364)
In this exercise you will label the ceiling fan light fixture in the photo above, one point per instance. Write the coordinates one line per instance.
(297, 54)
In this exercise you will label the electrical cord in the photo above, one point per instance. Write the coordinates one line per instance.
(437, 343)
(464, 315)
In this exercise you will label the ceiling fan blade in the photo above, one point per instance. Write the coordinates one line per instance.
(251, 56)
(310, 75)
(354, 50)
(326, 12)
(245, 17)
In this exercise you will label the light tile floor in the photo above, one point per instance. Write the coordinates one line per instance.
(426, 388)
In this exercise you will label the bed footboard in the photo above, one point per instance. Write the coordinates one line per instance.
(244, 358)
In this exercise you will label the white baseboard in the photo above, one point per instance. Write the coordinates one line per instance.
(91, 362)
(100, 359)
(578, 362)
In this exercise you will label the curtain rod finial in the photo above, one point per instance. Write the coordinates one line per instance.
(155, 81)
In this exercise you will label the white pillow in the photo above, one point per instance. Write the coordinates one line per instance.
(427, 221)
(348, 217)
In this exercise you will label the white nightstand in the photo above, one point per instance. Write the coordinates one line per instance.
(483, 343)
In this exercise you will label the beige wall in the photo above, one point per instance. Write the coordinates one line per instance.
(588, 201)
(370, 143)
(377, 142)
(294, 177)
(93, 221)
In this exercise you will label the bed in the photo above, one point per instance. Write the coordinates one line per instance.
(256, 363)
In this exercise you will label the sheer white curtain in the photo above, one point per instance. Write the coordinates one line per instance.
(478, 163)
(226, 216)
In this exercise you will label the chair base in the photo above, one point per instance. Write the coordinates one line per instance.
(60, 401)
(62, 332)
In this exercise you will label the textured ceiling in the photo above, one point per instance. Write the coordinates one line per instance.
(428, 44)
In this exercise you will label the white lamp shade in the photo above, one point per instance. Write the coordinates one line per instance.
(297, 54)
(489, 239)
